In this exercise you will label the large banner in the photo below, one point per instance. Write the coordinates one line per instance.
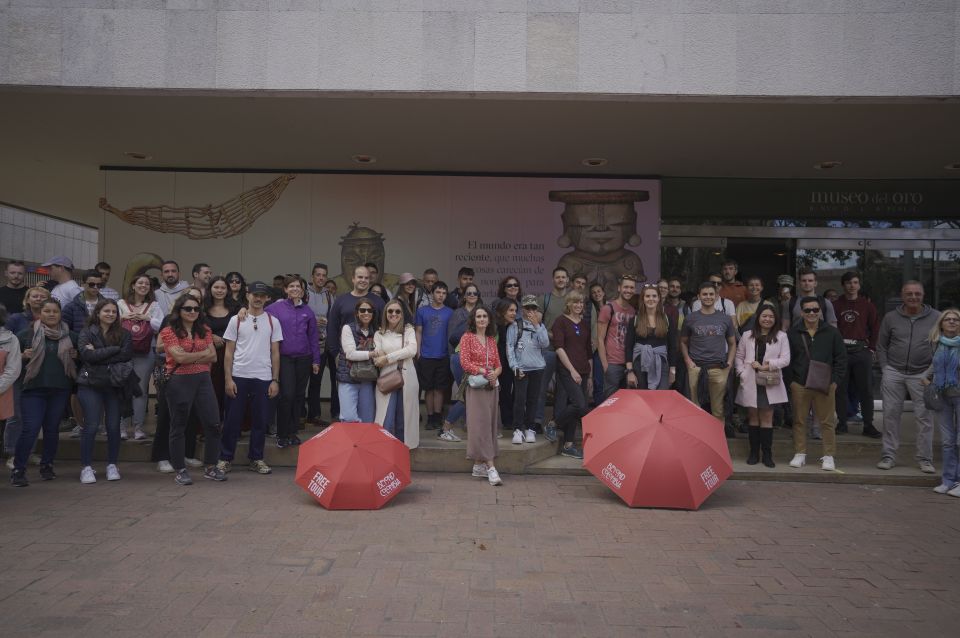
(264, 225)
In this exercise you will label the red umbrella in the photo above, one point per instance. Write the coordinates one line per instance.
(353, 466)
(654, 448)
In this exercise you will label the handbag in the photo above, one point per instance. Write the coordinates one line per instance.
(819, 374)
(120, 372)
(478, 381)
(932, 398)
(361, 371)
(767, 377)
(393, 380)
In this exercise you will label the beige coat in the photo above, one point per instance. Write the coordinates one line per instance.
(401, 348)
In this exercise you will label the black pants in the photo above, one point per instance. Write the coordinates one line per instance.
(160, 450)
(506, 398)
(860, 374)
(329, 362)
(526, 394)
(186, 392)
(576, 407)
(294, 375)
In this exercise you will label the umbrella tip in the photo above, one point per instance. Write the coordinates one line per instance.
(661, 418)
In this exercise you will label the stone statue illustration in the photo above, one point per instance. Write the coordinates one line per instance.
(359, 246)
(600, 224)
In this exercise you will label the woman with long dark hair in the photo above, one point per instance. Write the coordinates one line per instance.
(217, 311)
(357, 402)
(481, 361)
(651, 346)
(140, 315)
(506, 316)
(188, 345)
(237, 297)
(102, 343)
(456, 328)
(49, 348)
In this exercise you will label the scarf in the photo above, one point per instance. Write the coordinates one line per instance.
(946, 362)
(61, 335)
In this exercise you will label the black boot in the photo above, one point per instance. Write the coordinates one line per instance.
(766, 445)
(753, 433)
(871, 432)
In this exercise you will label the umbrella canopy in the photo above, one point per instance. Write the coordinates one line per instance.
(654, 448)
(353, 466)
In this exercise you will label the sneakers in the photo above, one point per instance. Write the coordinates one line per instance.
(214, 473)
(259, 467)
(531, 437)
(518, 437)
(449, 436)
(294, 440)
(927, 467)
(113, 474)
(182, 478)
(480, 470)
(124, 435)
(47, 473)
(224, 466)
(19, 479)
(282, 443)
(88, 476)
(139, 434)
(164, 467)
(193, 462)
(76, 432)
(798, 460)
(955, 491)
(945, 489)
(886, 464)
(572, 451)
(493, 476)
(827, 464)
(871, 432)
(551, 432)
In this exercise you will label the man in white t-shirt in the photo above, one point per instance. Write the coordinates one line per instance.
(251, 363)
(61, 271)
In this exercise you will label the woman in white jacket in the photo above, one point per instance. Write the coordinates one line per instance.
(399, 411)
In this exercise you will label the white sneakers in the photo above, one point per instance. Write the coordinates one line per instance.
(950, 490)
(139, 434)
(827, 464)
(164, 467)
(531, 436)
(518, 437)
(480, 470)
(493, 476)
(113, 474)
(124, 435)
(799, 460)
(193, 462)
(88, 476)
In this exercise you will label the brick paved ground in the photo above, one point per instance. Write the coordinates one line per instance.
(451, 556)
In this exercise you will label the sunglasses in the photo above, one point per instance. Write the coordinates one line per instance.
(93, 285)
(365, 311)
(810, 311)
(190, 309)
(512, 286)
(471, 294)
(394, 312)
(234, 281)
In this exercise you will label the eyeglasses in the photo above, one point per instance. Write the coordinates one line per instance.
(365, 311)
(394, 312)
(190, 309)
(811, 311)
(512, 286)
(90, 284)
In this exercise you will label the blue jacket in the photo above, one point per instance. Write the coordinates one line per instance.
(75, 313)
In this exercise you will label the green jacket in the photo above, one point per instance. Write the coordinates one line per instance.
(826, 346)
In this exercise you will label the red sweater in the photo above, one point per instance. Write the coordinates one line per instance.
(858, 320)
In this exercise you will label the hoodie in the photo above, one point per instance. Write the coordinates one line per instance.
(904, 342)
(167, 295)
(11, 369)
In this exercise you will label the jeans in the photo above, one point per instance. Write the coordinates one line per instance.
(329, 362)
(186, 392)
(143, 366)
(252, 397)
(824, 409)
(458, 409)
(576, 408)
(526, 396)
(549, 370)
(860, 376)
(949, 419)
(14, 425)
(41, 408)
(97, 401)
(294, 374)
(393, 420)
(894, 388)
(357, 402)
(614, 378)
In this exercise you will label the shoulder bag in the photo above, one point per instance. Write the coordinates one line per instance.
(765, 377)
(932, 398)
(478, 381)
(361, 371)
(392, 381)
(819, 374)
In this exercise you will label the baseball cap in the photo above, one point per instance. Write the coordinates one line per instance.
(785, 280)
(406, 278)
(59, 260)
(259, 288)
(529, 301)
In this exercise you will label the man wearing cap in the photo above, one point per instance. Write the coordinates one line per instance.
(321, 301)
(251, 364)
(527, 340)
(61, 271)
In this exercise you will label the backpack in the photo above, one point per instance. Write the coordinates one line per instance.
(141, 333)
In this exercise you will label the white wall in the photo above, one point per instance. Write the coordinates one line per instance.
(686, 47)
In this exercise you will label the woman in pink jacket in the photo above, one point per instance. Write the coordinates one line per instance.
(761, 355)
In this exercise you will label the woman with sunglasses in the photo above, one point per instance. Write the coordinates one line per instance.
(357, 403)
(456, 328)
(101, 343)
(397, 340)
(572, 341)
(48, 349)
(944, 374)
(652, 344)
(509, 289)
(479, 358)
(299, 356)
(237, 298)
(188, 345)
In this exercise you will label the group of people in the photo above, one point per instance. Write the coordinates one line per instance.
(226, 356)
